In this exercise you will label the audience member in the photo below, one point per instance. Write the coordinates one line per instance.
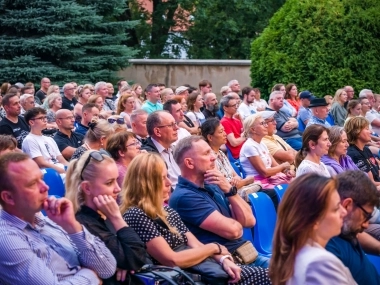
(120, 84)
(304, 112)
(210, 105)
(67, 140)
(255, 158)
(259, 103)
(125, 107)
(224, 91)
(117, 123)
(83, 94)
(373, 115)
(163, 132)
(111, 90)
(7, 144)
(299, 254)
(354, 109)
(246, 107)
(182, 91)
(152, 93)
(205, 87)
(43, 150)
(68, 100)
(44, 250)
(93, 190)
(102, 90)
(96, 137)
(338, 111)
(337, 160)
(89, 111)
(5, 87)
(319, 110)
(161, 228)
(166, 95)
(13, 124)
(42, 93)
(234, 85)
(138, 92)
(291, 95)
(194, 105)
(367, 93)
(358, 196)
(350, 94)
(287, 127)
(315, 144)
(278, 148)
(138, 122)
(54, 101)
(287, 108)
(232, 126)
(27, 103)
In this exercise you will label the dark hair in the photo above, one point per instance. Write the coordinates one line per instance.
(7, 98)
(246, 91)
(209, 127)
(311, 133)
(116, 142)
(7, 142)
(23, 89)
(32, 113)
(287, 89)
(356, 184)
(161, 85)
(150, 87)
(204, 83)
(277, 87)
(191, 99)
(256, 90)
(153, 121)
(298, 211)
(88, 107)
(119, 83)
(168, 106)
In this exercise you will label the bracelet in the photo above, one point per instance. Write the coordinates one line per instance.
(220, 249)
(223, 258)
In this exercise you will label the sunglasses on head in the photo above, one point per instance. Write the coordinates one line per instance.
(97, 155)
(120, 121)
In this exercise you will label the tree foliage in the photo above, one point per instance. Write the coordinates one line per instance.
(320, 45)
(62, 39)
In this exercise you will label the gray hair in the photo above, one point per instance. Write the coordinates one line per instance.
(153, 121)
(98, 85)
(51, 98)
(231, 82)
(65, 86)
(363, 93)
(224, 101)
(248, 122)
(183, 146)
(137, 113)
(274, 93)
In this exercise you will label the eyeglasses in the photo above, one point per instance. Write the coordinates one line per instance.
(44, 118)
(136, 143)
(119, 121)
(67, 118)
(97, 155)
(236, 106)
(172, 125)
(265, 124)
(270, 121)
(367, 215)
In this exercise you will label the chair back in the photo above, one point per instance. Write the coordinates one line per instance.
(54, 181)
(265, 214)
(301, 125)
(235, 163)
(375, 260)
(280, 190)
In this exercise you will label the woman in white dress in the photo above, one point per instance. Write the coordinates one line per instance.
(315, 144)
(306, 221)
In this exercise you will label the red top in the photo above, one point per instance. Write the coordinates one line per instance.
(232, 125)
(295, 103)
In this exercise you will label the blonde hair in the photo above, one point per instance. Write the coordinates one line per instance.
(117, 127)
(99, 128)
(122, 100)
(142, 187)
(51, 89)
(337, 96)
(51, 98)
(74, 192)
(248, 122)
(79, 91)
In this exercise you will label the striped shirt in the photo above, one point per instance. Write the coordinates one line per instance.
(46, 254)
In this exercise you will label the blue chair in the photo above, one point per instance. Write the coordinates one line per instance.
(375, 260)
(54, 181)
(235, 163)
(263, 210)
(301, 125)
(248, 234)
(330, 119)
(280, 190)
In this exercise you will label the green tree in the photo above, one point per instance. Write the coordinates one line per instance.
(224, 29)
(320, 45)
(63, 40)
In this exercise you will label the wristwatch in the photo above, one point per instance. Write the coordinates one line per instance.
(233, 192)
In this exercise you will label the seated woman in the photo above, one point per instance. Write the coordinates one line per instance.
(315, 144)
(92, 188)
(123, 147)
(214, 134)
(139, 95)
(337, 160)
(52, 89)
(166, 95)
(259, 103)
(96, 137)
(299, 255)
(99, 102)
(291, 95)
(354, 109)
(338, 111)
(194, 105)
(83, 93)
(125, 107)
(117, 123)
(8, 144)
(54, 101)
(358, 135)
(161, 228)
(256, 159)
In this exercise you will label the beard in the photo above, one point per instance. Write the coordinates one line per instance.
(349, 229)
(212, 108)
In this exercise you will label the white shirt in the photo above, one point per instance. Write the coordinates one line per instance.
(260, 104)
(182, 133)
(252, 148)
(245, 110)
(308, 166)
(198, 117)
(370, 116)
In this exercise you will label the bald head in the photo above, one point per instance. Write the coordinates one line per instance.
(45, 84)
(65, 120)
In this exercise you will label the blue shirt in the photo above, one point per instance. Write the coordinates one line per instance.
(317, 121)
(150, 107)
(46, 254)
(304, 114)
(79, 128)
(354, 258)
(194, 204)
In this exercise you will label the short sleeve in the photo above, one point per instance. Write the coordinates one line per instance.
(227, 127)
(272, 146)
(31, 147)
(54, 146)
(358, 159)
(370, 116)
(250, 149)
(304, 115)
(191, 116)
(280, 120)
(175, 220)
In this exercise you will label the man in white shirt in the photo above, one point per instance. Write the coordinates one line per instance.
(43, 150)
(246, 107)
(175, 109)
(373, 115)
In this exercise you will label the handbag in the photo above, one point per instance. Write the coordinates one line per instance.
(245, 254)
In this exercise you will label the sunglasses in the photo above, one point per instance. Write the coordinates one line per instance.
(97, 155)
(120, 121)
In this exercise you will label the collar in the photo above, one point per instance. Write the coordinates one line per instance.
(90, 212)
(159, 146)
(150, 103)
(39, 220)
(83, 126)
(59, 133)
(318, 120)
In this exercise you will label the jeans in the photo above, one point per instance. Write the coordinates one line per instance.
(295, 143)
(261, 261)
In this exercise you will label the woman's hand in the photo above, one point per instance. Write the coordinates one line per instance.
(121, 274)
(107, 205)
(232, 270)
(285, 165)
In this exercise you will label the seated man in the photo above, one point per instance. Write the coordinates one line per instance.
(320, 111)
(89, 111)
(278, 148)
(373, 115)
(138, 124)
(287, 127)
(210, 105)
(304, 112)
(27, 102)
(67, 140)
(206, 201)
(163, 132)
(44, 250)
(359, 197)
(152, 93)
(43, 150)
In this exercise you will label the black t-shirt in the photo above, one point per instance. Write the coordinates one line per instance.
(63, 141)
(18, 130)
(364, 160)
(41, 95)
(68, 104)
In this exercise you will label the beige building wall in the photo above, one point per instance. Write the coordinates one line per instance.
(178, 72)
